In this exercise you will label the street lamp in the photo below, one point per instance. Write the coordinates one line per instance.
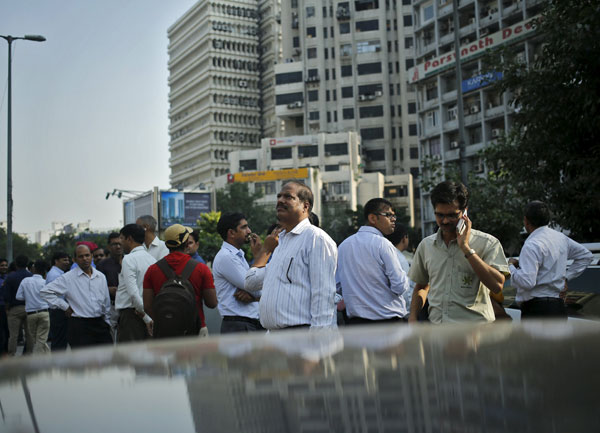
(9, 202)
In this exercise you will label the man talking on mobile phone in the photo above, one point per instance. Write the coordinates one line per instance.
(457, 267)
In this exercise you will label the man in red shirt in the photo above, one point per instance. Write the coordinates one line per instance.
(176, 238)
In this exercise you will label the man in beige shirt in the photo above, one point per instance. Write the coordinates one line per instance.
(456, 269)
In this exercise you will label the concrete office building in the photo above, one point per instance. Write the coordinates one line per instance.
(221, 54)
(483, 24)
(344, 70)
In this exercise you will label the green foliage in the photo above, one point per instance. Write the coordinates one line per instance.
(553, 152)
(66, 242)
(21, 245)
(209, 240)
(339, 221)
(236, 197)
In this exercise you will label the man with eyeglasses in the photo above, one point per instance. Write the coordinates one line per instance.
(456, 269)
(369, 276)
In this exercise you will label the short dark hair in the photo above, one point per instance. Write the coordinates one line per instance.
(375, 205)
(314, 219)
(195, 234)
(228, 221)
(399, 233)
(41, 267)
(21, 261)
(537, 213)
(136, 232)
(304, 193)
(113, 235)
(99, 248)
(448, 192)
(59, 255)
(2, 259)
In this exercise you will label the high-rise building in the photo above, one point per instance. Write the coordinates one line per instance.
(344, 69)
(484, 113)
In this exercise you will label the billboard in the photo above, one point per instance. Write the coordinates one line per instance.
(182, 207)
(479, 81)
(142, 205)
(265, 176)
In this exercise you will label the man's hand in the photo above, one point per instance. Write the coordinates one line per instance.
(513, 262)
(150, 328)
(262, 254)
(255, 244)
(244, 296)
(112, 291)
(69, 312)
(272, 240)
(463, 240)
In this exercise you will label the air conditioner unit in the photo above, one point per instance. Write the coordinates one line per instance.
(454, 145)
(242, 83)
(378, 93)
(452, 113)
(474, 109)
(496, 132)
(362, 97)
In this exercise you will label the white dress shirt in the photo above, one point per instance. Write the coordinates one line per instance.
(157, 249)
(131, 279)
(229, 272)
(86, 295)
(29, 291)
(542, 268)
(299, 281)
(370, 276)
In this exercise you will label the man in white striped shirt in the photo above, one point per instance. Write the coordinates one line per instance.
(298, 284)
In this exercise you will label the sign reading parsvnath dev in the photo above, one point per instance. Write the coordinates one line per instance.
(471, 50)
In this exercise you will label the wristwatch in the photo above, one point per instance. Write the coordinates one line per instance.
(470, 253)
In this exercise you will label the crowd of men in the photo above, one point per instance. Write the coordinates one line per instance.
(146, 287)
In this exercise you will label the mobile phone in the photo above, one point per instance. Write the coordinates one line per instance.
(461, 224)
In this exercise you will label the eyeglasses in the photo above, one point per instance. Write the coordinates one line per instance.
(450, 216)
(389, 215)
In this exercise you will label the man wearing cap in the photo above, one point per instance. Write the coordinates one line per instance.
(176, 239)
(155, 247)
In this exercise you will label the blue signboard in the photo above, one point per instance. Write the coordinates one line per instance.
(182, 207)
(479, 81)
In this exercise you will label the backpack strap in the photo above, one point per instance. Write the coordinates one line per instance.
(167, 270)
(189, 269)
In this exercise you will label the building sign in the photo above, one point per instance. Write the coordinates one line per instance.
(182, 207)
(138, 207)
(479, 81)
(472, 50)
(295, 140)
(265, 176)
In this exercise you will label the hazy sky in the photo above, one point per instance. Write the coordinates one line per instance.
(89, 106)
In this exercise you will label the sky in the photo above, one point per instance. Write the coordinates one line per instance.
(89, 107)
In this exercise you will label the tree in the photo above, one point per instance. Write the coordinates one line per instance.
(209, 239)
(553, 151)
(236, 197)
(66, 242)
(339, 221)
(21, 246)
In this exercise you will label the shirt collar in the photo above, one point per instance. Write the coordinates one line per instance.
(155, 241)
(38, 276)
(231, 248)
(301, 226)
(138, 248)
(369, 229)
(80, 272)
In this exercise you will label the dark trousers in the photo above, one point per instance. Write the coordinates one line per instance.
(3, 331)
(59, 325)
(361, 321)
(88, 332)
(131, 327)
(540, 308)
(232, 324)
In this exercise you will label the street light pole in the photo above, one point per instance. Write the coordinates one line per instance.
(9, 200)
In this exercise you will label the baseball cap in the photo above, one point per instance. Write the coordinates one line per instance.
(176, 235)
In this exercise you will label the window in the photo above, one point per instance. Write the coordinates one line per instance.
(334, 94)
(368, 47)
(367, 26)
(392, 111)
(311, 53)
(296, 41)
(363, 5)
(336, 148)
(313, 72)
(414, 153)
(332, 167)
(288, 77)
(337, 187)
(333, 73)
(409, 63)
(412, 129)
(326, 74)
(311, 32)
(247, 164)
(407, 20)
(431, 119)
(375, 111)
(348, 113)
(267, 188)
(327, 96)
(346, 50)
(346, 71)
(313, 115)
(310, 11)
(375, 155)
(313, 95)
(347, 92)
(412, 107)
(344, 28)
(371, 133)
(308, 151)
(431, 92)
(369, 89)
(435, 147)
(281, 153)
(369, 68)
(395, 191)
(288, 98)
(426, 12)
(324, 32)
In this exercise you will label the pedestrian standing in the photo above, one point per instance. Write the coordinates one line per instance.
(38, 319)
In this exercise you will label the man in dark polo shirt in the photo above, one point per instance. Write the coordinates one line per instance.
(111, 268)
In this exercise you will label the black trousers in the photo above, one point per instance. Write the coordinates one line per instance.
(131, 327)
(232, 324)
(88, 332)
(59, 325)
(539, 308)
(3, 330)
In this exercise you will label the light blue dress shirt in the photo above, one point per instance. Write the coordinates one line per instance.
(53, 274)
(370, 276)
(29, 291)
(298, 285)
(229, 272)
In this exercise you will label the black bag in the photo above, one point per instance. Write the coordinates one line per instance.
(174, 307)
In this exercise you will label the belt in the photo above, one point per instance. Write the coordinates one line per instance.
(241, 319)
(87, 318)
(360, 320)
(37, 311)
(293, 326)
(542, 299)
